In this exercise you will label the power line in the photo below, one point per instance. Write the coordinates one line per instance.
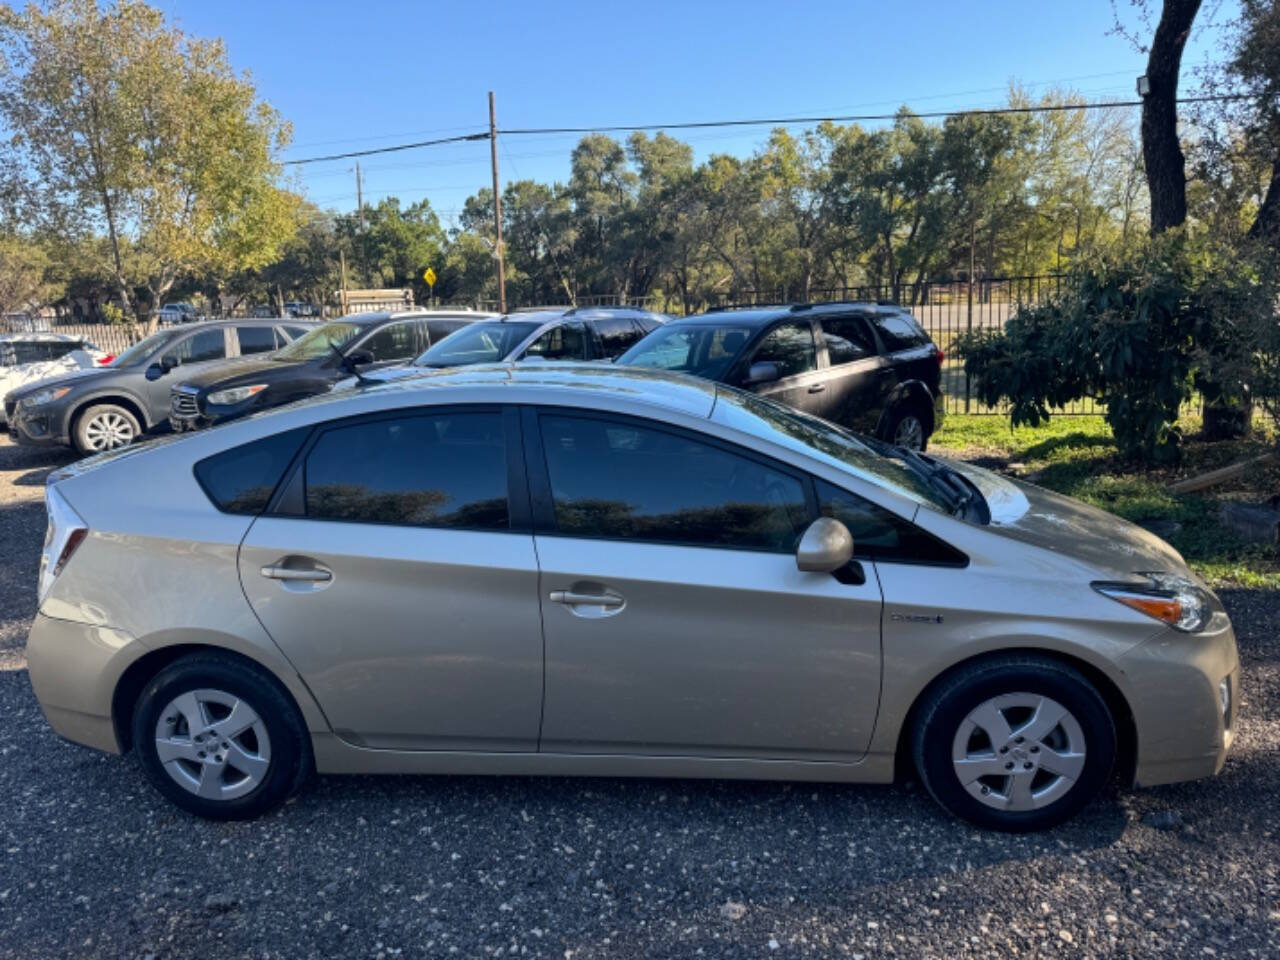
(763, 122)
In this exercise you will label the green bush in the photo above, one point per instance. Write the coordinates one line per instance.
(113, 315)
(1129, 330)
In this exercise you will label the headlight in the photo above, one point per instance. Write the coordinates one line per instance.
(235, 394)
(46, 396)
(1178, 601)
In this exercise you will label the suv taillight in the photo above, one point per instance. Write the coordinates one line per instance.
(65, 533)
(942, 357)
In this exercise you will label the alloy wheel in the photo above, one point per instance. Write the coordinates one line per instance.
(213, 744)
(108, 430)
(1018, 751)
(909, 433)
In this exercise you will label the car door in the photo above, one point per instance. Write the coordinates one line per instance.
(859, 380)
(398, 576)
(676, 620)
(790, 345)
(188, 354)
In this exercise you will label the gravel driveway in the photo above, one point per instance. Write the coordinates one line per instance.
(92, 863)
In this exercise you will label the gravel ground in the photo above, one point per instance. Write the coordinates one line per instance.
(93, 864)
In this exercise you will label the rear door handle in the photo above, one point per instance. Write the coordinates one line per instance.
(817, 387)
(569, 598)
(277, 572)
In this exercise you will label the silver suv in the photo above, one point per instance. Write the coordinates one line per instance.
(594, 570)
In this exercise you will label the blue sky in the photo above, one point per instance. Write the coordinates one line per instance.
(354, 76)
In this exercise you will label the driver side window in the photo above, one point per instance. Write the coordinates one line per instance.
(791, 347)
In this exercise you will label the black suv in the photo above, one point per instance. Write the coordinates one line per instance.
(868, 367)
(107, 407)
(311, 364)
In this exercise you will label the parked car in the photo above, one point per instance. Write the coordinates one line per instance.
(300, 308)
(865, 366)
(29, 357)
(177, 313)
(626, 573)
(108, 407)
(550, 333)
(357, 342)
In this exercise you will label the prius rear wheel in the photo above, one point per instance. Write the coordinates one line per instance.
(220, 738)
(1014, 743)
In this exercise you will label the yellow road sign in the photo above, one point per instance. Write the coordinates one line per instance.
(429, 275)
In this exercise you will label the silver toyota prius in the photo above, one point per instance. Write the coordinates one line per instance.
(593, 570)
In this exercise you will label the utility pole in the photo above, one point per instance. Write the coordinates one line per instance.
(364, 264)
(497, 204)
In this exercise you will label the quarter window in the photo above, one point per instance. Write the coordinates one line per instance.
(791, 347)
(241, 480)
(616, 480)
(848, 339)
(439, 470)
(900, 331)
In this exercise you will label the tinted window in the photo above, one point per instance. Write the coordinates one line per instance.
(900, 331)
(296, 332)
(699, 349)
(439, 329)
(35, 351)
(256, 339)
(397, 341)
(205, 345)
(440, 470)
(879, 534)
(848, 339)
(241, 480)
(791, 347)
(613, 479)
(320, 341)
(567, 341)
(616, 335)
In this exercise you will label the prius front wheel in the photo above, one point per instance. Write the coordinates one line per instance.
(1015, 743)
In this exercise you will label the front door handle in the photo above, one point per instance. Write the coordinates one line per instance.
(570, 598)
(277, 572)
(817, 387)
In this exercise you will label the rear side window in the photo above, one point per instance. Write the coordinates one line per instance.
(616, 335)
(568, 341)
(791, 347)
(256, 340)
(848, 339)
(612, 479)
(439, 329)
(900, 331)
(205, 345)
(440, 470)
(881, 535)
(242, 479)
(397, 341)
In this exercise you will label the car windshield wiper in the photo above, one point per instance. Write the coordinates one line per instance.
(943, 480)
(350, 368)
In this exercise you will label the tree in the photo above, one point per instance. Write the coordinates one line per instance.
(25, 276)
(123, 126)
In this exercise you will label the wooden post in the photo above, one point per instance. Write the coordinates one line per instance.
(497, 204)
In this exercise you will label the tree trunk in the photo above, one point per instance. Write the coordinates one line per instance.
(1267, 223)
(1161, 152)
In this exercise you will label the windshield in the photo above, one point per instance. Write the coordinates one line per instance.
(477, 343)
(144, 349)
(319, 342)
(702, 350)
(819, 436)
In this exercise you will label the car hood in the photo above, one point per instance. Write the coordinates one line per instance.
(1111, 546)
(70, 378)
(370, 378)
(240, 371)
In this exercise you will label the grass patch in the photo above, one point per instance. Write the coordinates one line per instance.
(1077, 456)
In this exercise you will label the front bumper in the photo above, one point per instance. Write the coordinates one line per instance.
(74, 669)
(41, 427)
(1183, 731)
(187, 412)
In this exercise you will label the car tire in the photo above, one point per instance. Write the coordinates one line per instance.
(259, 753)
(905, 423)
(105, 426)
(1057, 756)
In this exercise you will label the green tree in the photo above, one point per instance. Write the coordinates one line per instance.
(123, 126)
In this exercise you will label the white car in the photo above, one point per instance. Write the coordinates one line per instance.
(28, 357)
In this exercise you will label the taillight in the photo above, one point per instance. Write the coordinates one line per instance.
(106, 361)
(65, 533)
(942, 357)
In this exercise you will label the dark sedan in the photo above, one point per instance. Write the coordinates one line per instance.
(868, 367)
(312, 364)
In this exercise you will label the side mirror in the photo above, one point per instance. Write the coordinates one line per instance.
(359, 358)
(168, 362)
(763, 372)
(825, 547)
(154, 372)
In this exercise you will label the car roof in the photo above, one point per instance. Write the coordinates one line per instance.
(382, 316)
(549, 314)
(757, 316)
